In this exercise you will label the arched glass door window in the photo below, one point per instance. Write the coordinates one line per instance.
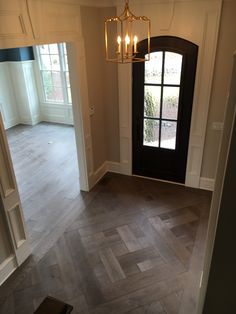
(162, 79)
(162, 98)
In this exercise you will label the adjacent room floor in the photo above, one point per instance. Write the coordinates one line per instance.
(137, 247)
(45, 163)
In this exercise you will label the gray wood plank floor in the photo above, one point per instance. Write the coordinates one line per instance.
(136, 246)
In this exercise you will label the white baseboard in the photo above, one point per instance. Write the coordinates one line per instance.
(107, 166)
(192, 180)
(7, 268)
(207, 184)
(54, 119)
(113, 166)
(56, 113)
(10, 123)
(26, 120)
(97, 175)
(36, 119)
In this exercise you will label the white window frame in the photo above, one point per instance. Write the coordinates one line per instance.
(63, 71)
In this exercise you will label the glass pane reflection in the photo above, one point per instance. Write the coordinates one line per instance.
(152, 100)
(170, 103)
(151, 133)
(153, 68)
(173, 67)
(168, 134)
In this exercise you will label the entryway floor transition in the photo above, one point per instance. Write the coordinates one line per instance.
(136, 247)
(45, 163)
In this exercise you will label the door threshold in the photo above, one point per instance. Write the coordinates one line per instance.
(160, 180)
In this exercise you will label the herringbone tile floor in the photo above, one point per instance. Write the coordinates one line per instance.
(132, 250)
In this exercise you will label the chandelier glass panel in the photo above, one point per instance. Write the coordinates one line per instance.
(122, 35)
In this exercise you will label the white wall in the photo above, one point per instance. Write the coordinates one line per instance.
(222, 161)
(21, 100)
(102, 86)
(24, 86)
(56, 113)
(18, 94)
(8, 104)
(222, 73)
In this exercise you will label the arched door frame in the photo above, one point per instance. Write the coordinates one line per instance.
(157, 156)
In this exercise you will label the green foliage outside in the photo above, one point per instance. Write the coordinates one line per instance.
(149, 111)
(47, 82)
(171, 102)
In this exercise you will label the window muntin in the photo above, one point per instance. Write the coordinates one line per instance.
(161, 99)
(54, 72)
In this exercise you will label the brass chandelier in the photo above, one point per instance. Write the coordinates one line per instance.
(122, 34)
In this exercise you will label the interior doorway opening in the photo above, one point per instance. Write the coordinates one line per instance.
(37, 110)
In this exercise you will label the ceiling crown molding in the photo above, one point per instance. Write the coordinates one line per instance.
(89, 3)
(96, 3)
(121, 2)
(112, 3)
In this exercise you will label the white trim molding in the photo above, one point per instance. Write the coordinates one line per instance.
(98, 175)
(24, 87)
(89, 3)
(107, 166)
(7, 268)
(113, 167)
(204, 77)
(207, 184)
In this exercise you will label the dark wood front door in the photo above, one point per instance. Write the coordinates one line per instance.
(162, 105)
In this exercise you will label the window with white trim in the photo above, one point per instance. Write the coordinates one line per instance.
(53, 67)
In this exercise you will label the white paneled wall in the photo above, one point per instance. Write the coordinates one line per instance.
(19, 97)
(19, 101)
(8, 104)
(56, 113)
(24, 86)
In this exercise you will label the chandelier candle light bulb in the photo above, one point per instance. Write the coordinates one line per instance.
(135, 44)
(127, 42)
(119, 44)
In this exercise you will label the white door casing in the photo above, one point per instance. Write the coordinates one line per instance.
(198, 22)
(13, 234)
